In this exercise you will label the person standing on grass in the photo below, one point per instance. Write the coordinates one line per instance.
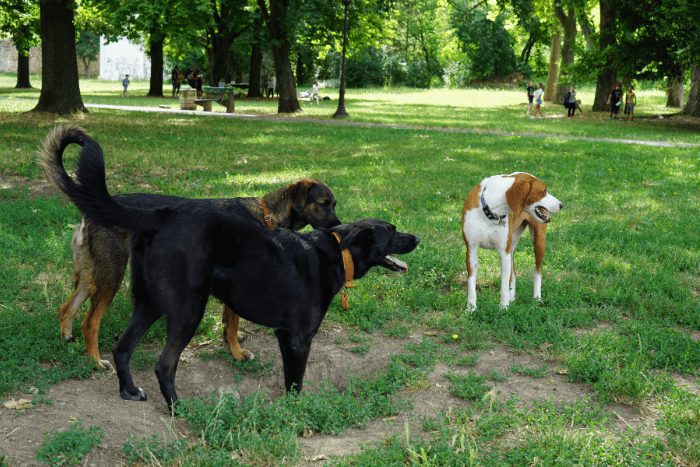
(571, 102)
(271, 85)
(630, 102)
(175, 77)
(314, 92)
(615, 100)
(125, 85)
(537, 96)
(530, 96)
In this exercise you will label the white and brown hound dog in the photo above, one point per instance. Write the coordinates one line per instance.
(494, 216)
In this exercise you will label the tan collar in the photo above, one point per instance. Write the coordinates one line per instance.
(267, 217)
(349, 268)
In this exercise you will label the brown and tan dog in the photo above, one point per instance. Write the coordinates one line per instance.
(100, 254)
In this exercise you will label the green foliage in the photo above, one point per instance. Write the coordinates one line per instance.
(680, 421)
(71, 446)
(487, 46)
(532, 372)
(20, 19)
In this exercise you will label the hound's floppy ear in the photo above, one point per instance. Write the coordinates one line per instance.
(299, 192)
(516, 195)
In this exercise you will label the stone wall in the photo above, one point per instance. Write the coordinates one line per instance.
(8, 60)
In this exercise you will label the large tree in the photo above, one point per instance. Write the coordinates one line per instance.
(60, 91)
(565, 12)
(278, 25)
(228, 20)
(20, 19)
(607, 74)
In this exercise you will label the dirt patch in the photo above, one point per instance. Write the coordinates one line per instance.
(96, 400)
(39, 188)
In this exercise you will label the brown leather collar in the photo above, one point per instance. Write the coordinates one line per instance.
(267, 217)
(349, 268)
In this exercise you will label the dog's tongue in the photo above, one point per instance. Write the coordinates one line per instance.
(397, 262)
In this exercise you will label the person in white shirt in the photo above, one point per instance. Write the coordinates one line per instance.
(314, 93)
(538, 100)
(271, 85)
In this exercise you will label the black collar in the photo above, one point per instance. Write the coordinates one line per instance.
(487, 210)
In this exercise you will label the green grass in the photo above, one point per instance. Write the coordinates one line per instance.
(620, 303)
(69, 447)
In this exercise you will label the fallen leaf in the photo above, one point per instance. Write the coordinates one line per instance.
(307, 433)
(430, 333)
(320, 457)
(562, 371)
(18, 405)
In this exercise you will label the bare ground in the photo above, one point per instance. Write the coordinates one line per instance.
(96, 401)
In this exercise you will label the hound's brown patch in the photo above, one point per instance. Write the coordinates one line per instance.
(517, 194)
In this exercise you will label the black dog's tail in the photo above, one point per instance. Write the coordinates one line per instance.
(90, 193)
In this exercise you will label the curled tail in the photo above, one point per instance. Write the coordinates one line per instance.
(90, 193)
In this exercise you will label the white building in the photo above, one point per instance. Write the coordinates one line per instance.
(123, 57)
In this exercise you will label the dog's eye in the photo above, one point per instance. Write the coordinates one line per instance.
(324, 202)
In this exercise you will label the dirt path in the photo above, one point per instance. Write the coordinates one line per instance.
(95, 401)
(332, 122)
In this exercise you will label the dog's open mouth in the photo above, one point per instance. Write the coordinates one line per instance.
(394, 264)
(543, 214)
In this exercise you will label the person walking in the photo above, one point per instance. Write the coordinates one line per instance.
(571, 102)
(615, 100)
(630, 102)
(530, 96)
(125, 85)
(537, 96)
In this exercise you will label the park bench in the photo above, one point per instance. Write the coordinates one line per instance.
(223, 96)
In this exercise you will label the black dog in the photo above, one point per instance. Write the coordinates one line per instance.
(182, 254)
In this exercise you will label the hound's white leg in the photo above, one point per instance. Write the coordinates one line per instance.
(505, 278)
(539, 242)
(472, 267)
(514, 245)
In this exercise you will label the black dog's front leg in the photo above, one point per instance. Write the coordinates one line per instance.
(295, 353)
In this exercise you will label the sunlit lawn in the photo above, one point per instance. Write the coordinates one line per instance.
(502, 110)
(620, 308)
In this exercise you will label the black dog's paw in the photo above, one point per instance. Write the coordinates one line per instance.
(139, 395)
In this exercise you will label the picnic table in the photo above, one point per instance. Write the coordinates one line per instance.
(220, 95)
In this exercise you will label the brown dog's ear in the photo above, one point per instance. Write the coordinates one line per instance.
(517, 194)
(299, 193)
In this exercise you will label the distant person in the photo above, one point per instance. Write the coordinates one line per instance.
(199, 84)
(192, 77)
(530, 96)
(570, 101)
(537, 96)
(630, 102)
(271, 85)
(125, 85)
(314, 93)
(615, 100)
(175, 78)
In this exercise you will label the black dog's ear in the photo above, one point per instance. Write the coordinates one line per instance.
(300, 192)
(360, 237)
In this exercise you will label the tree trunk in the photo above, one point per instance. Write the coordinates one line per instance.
(256, 57)
(692, 106)
(300, 69)
(155, 88)
(218, 55)
(568, 24)
(276, 19)
(60, 90)
(553, 73)
(608, 74)
(527, 49)
(23, 71)
(674, 90)
(587, 30)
